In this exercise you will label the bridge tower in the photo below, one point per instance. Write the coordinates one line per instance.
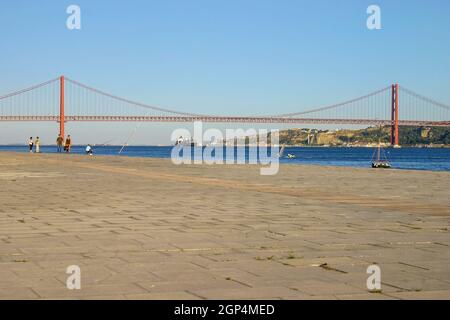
(394, 118)
(61, 106)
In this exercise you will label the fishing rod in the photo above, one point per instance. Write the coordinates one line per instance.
(130, 137)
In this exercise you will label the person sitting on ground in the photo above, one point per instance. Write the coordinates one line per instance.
(89, 150)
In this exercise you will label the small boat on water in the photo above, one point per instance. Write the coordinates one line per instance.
(185, 142)
(379, 159)
(288, 156)
(291, 156)
(381, 165)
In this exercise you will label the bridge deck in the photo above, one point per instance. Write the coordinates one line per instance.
(226, 119)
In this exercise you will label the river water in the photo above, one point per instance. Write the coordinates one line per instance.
(435, 159)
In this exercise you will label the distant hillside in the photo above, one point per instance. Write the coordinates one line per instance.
(409, 136)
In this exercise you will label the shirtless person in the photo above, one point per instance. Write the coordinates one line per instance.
(68, 144)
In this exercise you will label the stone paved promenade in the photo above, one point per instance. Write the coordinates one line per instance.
(146, 229)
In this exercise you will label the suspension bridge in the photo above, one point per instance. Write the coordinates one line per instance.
(62, 99)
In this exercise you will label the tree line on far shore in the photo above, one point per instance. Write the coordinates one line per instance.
(409, 136)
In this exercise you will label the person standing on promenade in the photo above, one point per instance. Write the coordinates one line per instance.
(68, 144)
(30, 144)
(59, 143)
(37, 144)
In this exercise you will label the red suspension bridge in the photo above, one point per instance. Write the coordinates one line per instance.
(62, 99)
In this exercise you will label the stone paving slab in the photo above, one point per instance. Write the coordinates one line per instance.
(147, 229)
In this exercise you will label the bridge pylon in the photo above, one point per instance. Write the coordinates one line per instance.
(61, 106)
(394, 118)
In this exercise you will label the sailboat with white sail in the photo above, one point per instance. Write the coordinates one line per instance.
(379, 159)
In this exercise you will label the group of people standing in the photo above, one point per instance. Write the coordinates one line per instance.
(34, 143)
(60, 142)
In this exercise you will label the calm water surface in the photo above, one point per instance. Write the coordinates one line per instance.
(404, 158)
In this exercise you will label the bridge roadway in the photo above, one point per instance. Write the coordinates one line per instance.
(226, 119)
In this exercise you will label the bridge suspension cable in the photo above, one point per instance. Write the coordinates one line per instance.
(37, 86)
(425, 99)
(414, 106)
(40, 100)
(334, 106)
(130, 102)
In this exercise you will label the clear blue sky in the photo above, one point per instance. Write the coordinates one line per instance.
(222, 57)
